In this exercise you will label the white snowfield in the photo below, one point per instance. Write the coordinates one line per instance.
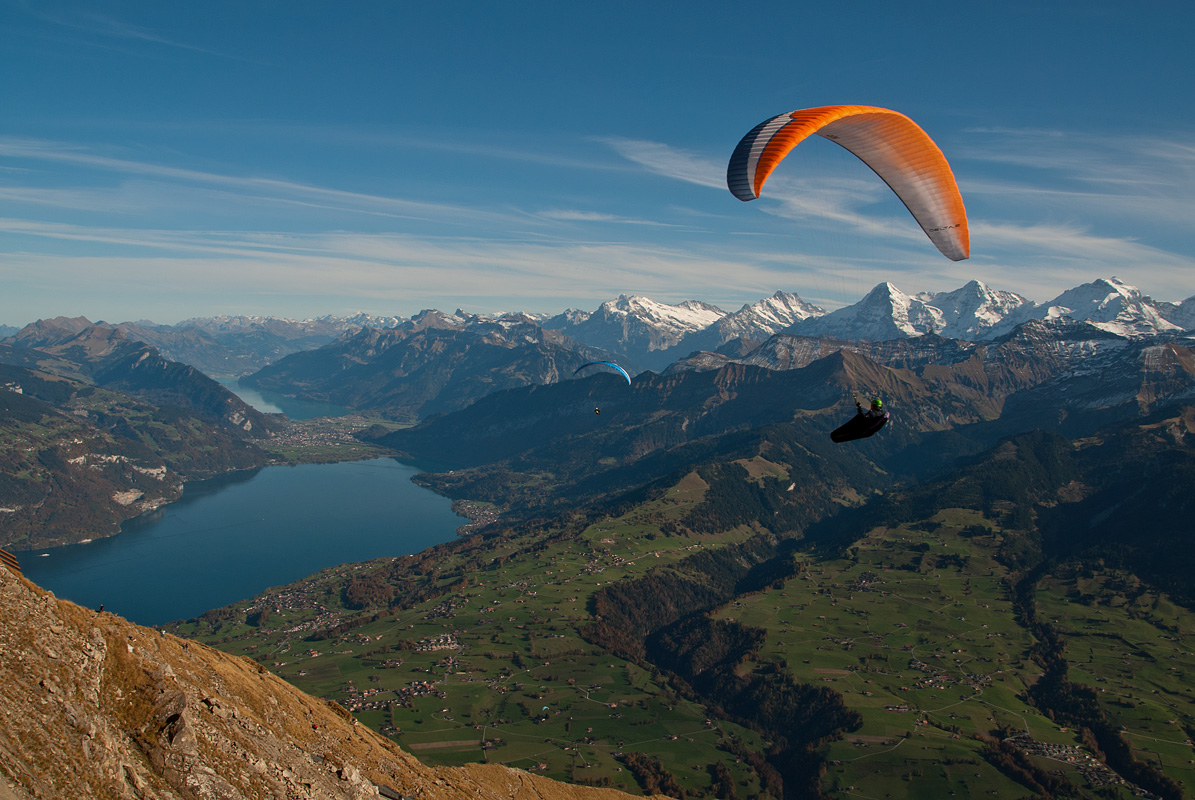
(691, 315)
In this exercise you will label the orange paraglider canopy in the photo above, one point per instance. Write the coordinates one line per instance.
(895, 148)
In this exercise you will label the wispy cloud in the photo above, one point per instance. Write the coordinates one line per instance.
(72, 199)
(1046, 259)
(372, 266)
(1140, 165)
(572, 215)
(1075, 242)
(261, 189)
(509, 257)
(578, 153)
(1075, 200)
(98, 26)
(670, 162)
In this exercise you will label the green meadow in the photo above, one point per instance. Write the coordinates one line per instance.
(913, 625)
(1134, 646)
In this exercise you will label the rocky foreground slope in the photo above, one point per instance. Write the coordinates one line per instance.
(93, 706)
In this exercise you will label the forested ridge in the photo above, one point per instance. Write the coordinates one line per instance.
(76, 459)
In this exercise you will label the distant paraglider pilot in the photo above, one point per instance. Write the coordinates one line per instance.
(626, 375)
(864, 423)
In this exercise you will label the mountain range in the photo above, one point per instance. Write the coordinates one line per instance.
(647, 334)
(438, 362)
(1054, 374)
(692, 590)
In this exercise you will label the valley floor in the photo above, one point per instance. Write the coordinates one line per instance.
(474, 653)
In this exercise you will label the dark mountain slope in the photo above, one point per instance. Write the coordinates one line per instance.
(1121, 496)
(97, 429)
(77, 459)
(1137, 504)
(657, 411)
(942, 410)
(104, 356)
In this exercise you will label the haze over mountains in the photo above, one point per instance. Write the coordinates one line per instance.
(222, 347)
(651, 335)
(401, 370)
(438, 362)
(431, 364)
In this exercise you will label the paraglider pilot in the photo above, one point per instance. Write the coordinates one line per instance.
(864, 424)
(876, 410)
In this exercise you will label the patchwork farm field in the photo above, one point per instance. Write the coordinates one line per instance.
(914, 626)
(916, 630)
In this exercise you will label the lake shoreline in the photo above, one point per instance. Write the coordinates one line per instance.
(479, 515)
(326, 453)
(232, 536)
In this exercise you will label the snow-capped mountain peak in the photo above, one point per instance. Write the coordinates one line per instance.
(781, 309)
(976, 312)
(970, 311)
(1181, 314)
(567, 318)
(1108, 304)
(761, 319)
(753, 322)
(637, 327)
(435, 318)
(691, 315)
(884, 313)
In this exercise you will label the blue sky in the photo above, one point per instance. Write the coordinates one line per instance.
(170, 160)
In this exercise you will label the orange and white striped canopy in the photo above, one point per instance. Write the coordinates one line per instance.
(894, 146)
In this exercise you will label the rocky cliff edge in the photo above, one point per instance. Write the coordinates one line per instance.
(93, 706)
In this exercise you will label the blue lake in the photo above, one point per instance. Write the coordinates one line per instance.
(232, 537)
(271, 403)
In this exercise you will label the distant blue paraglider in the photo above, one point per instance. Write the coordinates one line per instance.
(606, 364)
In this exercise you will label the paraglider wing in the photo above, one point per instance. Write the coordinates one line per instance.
(894, 146)
(859, 427)
(622, 371)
